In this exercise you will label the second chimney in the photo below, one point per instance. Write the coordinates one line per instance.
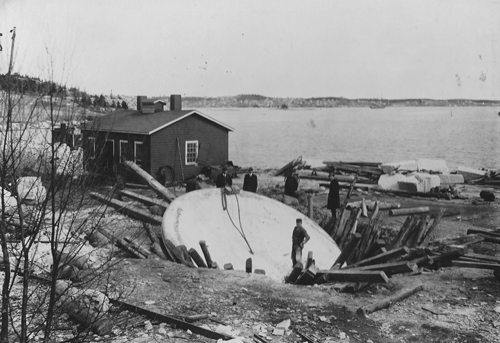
(175, 102)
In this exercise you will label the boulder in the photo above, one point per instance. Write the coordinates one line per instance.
(30, 190)
(432, 166)
(10, 202)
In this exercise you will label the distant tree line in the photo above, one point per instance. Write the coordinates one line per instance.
(24, 84)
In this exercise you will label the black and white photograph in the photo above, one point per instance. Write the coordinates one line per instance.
(250, 171)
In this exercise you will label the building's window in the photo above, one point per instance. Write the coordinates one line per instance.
(191, 152)
(138, 153)
(123, 149)
(112, 143)
(92, 147)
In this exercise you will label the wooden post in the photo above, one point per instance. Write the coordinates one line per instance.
(349, 275)
(185, 254)
(152, 182)
(297, 269)
(310, 203)
(387, 302)
(309, 259)
(206, 253)
(197, 258)
(248, 265)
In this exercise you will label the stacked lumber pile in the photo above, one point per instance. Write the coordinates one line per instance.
(372, 260)
(367, 172)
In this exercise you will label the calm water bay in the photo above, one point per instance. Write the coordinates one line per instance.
(462, 136)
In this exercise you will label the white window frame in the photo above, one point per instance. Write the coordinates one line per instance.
(135, 153)
(120, 147)
(186, 153)
(92, 147)
(112, 141)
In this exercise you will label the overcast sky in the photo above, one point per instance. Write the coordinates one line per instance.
(376, 48)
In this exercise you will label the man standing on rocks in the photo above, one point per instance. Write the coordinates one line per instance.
(299, 239)
(250, 181)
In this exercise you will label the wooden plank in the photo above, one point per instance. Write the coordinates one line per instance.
(408, 211)
(309, 260)
(405, 232)
(144, 199)
(391, 268)
(171, 320)
(206, 253)
(347, 250)
(290, 165)
(348, 275)
(384, 257)
(432, 228)
(128, 209)
(491, 239)
(389, 301)
(197, 258)
(152, 182)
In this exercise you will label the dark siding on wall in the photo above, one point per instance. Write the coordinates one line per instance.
(91, 164)
(192, 128)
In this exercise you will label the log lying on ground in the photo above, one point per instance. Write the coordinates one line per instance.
(144, 199)
(408, 211)
(152, 182)
(462, 240)
(173, 321)
(387, 302)
(146, 253)
(483, 232)
(73, 303)
(482, 257)
(128, 209)
(381, 258)
(391, 268)
(467, 264)
(121, 243)
(353, 275)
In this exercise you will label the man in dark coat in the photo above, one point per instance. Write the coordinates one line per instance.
(223, 179)
(299, 239)
(333, 196)
(250, 181)
(292, 184)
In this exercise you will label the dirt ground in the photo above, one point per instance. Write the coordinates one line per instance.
(456, 304)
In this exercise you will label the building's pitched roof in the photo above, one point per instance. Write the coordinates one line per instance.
(132, 121)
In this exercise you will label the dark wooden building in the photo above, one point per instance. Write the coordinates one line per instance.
(179, 142)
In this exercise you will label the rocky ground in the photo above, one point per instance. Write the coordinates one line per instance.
(456, 304)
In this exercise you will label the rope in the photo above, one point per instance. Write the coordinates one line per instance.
(224, 207)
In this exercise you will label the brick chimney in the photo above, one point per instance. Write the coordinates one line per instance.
(175, 102)
(140, 99)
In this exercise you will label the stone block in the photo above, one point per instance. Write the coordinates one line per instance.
(390, 182)
(451, 178)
